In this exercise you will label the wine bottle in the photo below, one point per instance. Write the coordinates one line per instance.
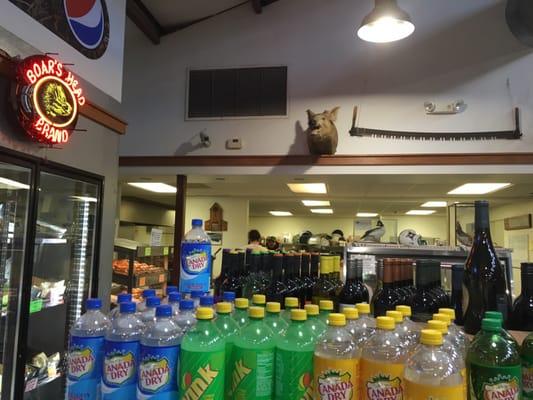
(379, 278)
(254, 284)
(425, 303)
(522, 317)
(458, 271)
(288, 277)
(296, 273)
(224, 273)
(398, 281)
(315, 257)
(336, 275)
(277, 289)
(354, 291)
(486, 287)
(232, 282)
(305, 274)
(387, 299)
(436, 283)
(322, 289)
(408, 264)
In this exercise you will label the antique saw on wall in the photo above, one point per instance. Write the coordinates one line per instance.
(514, 134)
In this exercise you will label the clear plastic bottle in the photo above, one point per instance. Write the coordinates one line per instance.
(170, 289)
(382, 362)
(121, 298)
(353, 325)
(186, 318)
(365, 318)
(290, 303)
(400, 330)
(148, 315)
(241, 311)
(454, 334)
(121, 356)
(336, 362)
(313, 320)
(274, 320)
(229, 297)
(229, 330)
(326, 308)
(196, 263)
(160, 348)
(455, 330)
(146, 293)
(410, 328)
(429, 372)
(173, 300)
(86, 353)
(195, 297)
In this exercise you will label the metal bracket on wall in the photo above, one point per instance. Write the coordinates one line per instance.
(514, 134)
(456, 107)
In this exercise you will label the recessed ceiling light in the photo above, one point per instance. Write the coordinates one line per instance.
(479, 188)
(420, 212)
(367, 214)
(321, 210)
(319, 188)
(435, 204)
(386, 23)
(281, 213)
(316, 203)
(11, 184)
(157, 187)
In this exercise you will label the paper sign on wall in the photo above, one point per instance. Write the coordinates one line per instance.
(155, 237)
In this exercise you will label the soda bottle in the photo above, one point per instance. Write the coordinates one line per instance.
(195, 297)
(202, 359)
(455, 332)
(526, 354)
(148, 315)
(273, 319)
(356, 327)
(195, 272)
(326, 308)
(499, 316)
(313, 321)
(259, 300)
(429, 372)
(170, 289)
(121, 355)
(365, 318)
(207, 301)
(290, 303)
(229, 297)
(241, 311)
(336, 362)
(86, 353)
(121, 298)
(400, 331)
(186, 317)
(382, 363)
(146, 293)
(410, 329)
(252, 367)
(493, 365)
(160, 349)
(173, 301)
(229, 330)
(294, 360)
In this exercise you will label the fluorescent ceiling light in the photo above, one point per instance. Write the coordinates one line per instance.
(319, 188)
(281, 213)
(420, 212)
(367, 214)
(435, 204)
(479, 188)
(316, 203)
(386, 23)
(321, 210)
(85, 199)
(11, 184)
(157, 187)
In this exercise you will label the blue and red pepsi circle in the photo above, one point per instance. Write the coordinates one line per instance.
(86, 19)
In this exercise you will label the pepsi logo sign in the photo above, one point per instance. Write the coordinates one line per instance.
(86, 21)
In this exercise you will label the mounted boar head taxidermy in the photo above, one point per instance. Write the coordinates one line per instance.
(322, 137)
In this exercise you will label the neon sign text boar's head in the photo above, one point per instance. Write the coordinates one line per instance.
(46, 97)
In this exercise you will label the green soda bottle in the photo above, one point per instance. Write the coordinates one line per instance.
(527, 366)
(506, 335)
(290, 303)
(202, 359)
(240, 315)
(229, 331)
(493, 365)
(326, 308)
(259, 300)
(313, 320)
(252, 366)
(294, 360)
(273, 320)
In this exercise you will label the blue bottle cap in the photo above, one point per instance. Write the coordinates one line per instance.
(163, 311)
(123, 297)
(197, 293)
(148, 293)
(174, 297)
(93, 304)
(228, 296)
(197, 222)
(206, 301)
(128, 307)
(186, 304)
(171, 289)
(153, 301)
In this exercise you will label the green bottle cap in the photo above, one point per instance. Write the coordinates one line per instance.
(494, 315)
(491, 325)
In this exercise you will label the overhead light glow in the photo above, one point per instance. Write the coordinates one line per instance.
(420, 212)
(11, 184)
(156, 187)
(386, 23)
(84, 199)
(281, 213)
(321, 210)
(316, 203)
(478, 188)
(435, 204)
(317, 188)
(367, 214)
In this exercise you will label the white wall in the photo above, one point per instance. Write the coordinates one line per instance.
(460, 50)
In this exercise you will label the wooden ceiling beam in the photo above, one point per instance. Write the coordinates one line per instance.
(145, 21)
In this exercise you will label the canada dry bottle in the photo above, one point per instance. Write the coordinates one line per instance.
(522, 317)
(387, 299)
(485, 280)
(410, 328)
(457, 334)
(195, 272)
(353, 325)
(526, 354)
(354, 291)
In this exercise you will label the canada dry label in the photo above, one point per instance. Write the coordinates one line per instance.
(294, 374)
(381, 381)
(201, 375)
(252, 374)
(416, 391)
(195, 267)
(85, 361)
(120, 372)
(527, 377)
(336, 379)
(158, 371)
(490, 383)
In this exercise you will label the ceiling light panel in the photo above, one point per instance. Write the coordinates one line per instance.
(420, 212)
(11, 184)
(316, 188)
(316, 203)
(478, 188)
(367, 214)
(322, 211)
(281, 213)
(156, 187)
(435, 204)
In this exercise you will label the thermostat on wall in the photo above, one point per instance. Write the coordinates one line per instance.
(234, 144)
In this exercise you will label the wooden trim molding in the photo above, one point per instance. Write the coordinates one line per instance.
(335, 160)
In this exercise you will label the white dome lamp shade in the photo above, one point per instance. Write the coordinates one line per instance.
(386, 23)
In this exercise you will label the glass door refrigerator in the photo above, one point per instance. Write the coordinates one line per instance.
(49, 240)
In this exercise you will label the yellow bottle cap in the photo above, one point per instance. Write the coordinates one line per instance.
(273, 307)
(223, 307)
(448, 311)
(396, 315)
(204, 313)
(405, 310)
(291, 302)
(256, 312)
(363, 308)
(386, 323)
(241, 303)
(326, 305)
(350, 312)
(298, 315)
(336, 319)
(259, 299)
(431, 337)
(312, 309)
(443, 317)
(438, 326)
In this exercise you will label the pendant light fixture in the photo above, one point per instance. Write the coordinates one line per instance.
(386, 23)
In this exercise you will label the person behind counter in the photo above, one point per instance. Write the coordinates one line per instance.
(254, 241)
